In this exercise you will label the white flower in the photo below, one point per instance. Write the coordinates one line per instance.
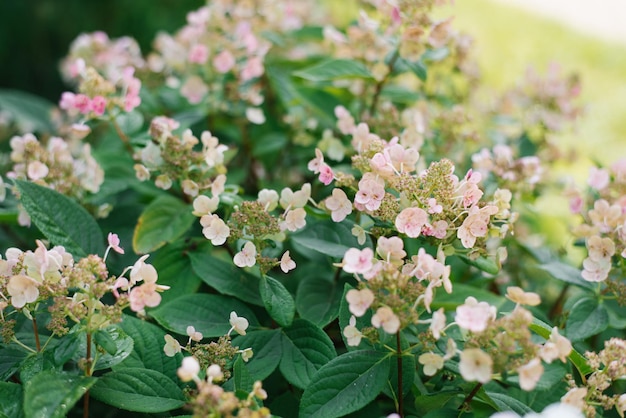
(193, 334)
(238, 323)
(352, 334)
(172, 346)
(431, 362)
(286, 263)
(189, 369)
(475, 365)
(23, 290)
(247, 256)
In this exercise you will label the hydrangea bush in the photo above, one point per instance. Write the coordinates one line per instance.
(338, 223)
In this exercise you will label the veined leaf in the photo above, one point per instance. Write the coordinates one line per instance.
(164, 220)
(32, 113)
(333, 69)
(11, 395)
(587, 318)
(346, 384)
(52, 394)
(63, 221)
(277, 300)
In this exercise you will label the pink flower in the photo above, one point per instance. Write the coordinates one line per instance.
(359, 301)
(114, 243)
(224, 61)
(144, 295)
(598, 178)
(352, 334)
(216, 231)
(37, 170)
(194, 89)
(142, 271)
(98, 105)
(131, 101)
(473, 315)
(23, 290)
(475, 225)
(361, 137)
(68, 100)
(411, 221)
(82, 103)
(294, 219)
(345, 122)
(385, 318)
(326, 174)
(371, 193)
(253, 69)
(339, 204)
(358, 261)
(286, 263)
(198, 54)
(391, 250)
(529, 374)
(247, 256)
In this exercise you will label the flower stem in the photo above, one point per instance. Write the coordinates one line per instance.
(123, 137)
(470, 396)
(400, 388)
(37, 343)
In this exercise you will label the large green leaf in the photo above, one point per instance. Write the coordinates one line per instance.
(226, 278)
(164, 220)
(10, 359)
(267, 348)
(148, 343)
(505, 402)
(11, 404)
(53, 394)
(586, 318)
(32, 113)
(277, 300)
(306, 348)
(139, 390)
(242, 380)
(122, 346)
(209, 314)
(175, 271)
(329, 238)
(346, 384)
(334, 69)
(565, 272)
(318, 298)
(63, 221)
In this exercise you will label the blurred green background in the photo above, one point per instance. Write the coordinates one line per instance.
(36, 34)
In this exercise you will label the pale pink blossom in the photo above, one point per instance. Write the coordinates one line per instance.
(475, 225)
(433, 206)
(432, 363)
(438, 323)
(411, 221)
(298, 199)
(204, 205)
(557, 346)
(339, 205)
(599, 248)
(144, 295)
(402, 159)
(596, 270)
(362, 138)
(391, 250)
(359, 301)
(326, 174)
(439, 229)
(517, 295)
(385, 318)
(370, 195)
(198, 54)
(22, 289)
(529, 374)
(352, 334)
(286, 263)
(141, 271)
(358, 261)
(473, 315)
(598, 178)
(268, 198)
(190, 187)
(475, 365)
(247, 256)
(224, 61)
(98, 105)
(114, 243)
(193, 334)
(252, 69)
(194, 89)
(82, 103)
(239, 324)
(576, 398)
(295, 219)
(345, 122)
(172, 346)
(189, 369)
(216, 231)
(37, 170)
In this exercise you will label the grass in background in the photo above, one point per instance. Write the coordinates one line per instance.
(508, 40)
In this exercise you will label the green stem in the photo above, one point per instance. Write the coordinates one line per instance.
(123, 137)
(379, 86)
(87, 373)
(400, 388)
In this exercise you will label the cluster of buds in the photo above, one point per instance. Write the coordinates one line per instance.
(219, 352)
(74, 288)
(211, 400)
(496, 345)
(253, 224)
(220, 53)
(609, 367)
(603, 211)
(70, 170)
(171, 158)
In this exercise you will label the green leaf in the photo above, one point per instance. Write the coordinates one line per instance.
(130, 122)
(209, 314)
(417, 67)
(11, 395)
(306, 348)
(164, 220)
(586, 318)
(32, 113)
(334, 69)
(35, 364)
(241, 376)
(138, 390)
(318, 298)
(175, 271)
(267, 348)
(226, 278)
(507, 403)
(460, 292)
(10, 359)
(52, 394)
(63, 221)
(435, 54)
(566, 273)
(277, 300)
(346, 384)
(485, 264)
(148, 343)
(67, 348)
(329, 238)
(104, 340)
(123, 347)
